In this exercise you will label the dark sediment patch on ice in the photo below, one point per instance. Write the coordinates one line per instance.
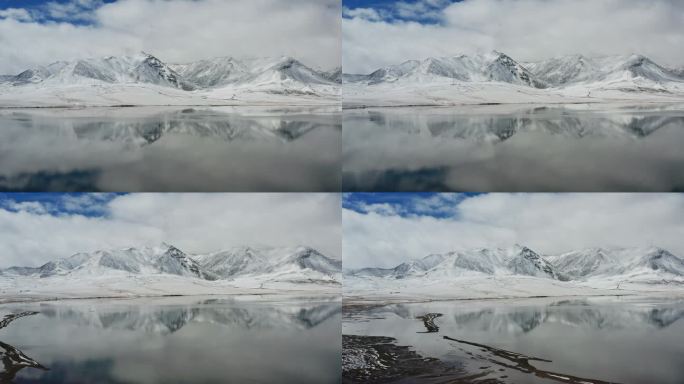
(378, 359)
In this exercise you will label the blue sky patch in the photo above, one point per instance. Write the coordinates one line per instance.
(58, 204)
(438, 205)
(421, 11)
(77, 12)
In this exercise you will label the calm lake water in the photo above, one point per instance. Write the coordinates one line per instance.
(591, 340)
(514, 148)
(169, 149)
(175, 340)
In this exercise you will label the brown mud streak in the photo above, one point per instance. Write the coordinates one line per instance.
(522, 364)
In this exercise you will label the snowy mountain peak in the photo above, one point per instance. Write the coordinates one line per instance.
(504, 69)
(153, 70)
(493, 66)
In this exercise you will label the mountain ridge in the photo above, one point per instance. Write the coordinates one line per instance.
(220, 79)
(499, 67)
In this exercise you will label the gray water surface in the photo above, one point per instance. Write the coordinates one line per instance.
(159, 149)
(624, 340)
(174, 340)
(507, 148)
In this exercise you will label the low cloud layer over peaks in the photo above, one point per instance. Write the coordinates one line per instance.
(38, 229)
(174, 30)
(528, 30)
(386, 233)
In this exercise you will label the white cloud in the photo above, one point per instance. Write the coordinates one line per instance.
(362, 13)
(524, 29)
(175, 31)
(421, 9)
(26, 206)
(547, 223)
(71, 10)
(19, 14)
(193, 222)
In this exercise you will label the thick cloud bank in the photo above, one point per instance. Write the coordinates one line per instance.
(174, 30)
(525, 29)
(384, 235)
(34, 232)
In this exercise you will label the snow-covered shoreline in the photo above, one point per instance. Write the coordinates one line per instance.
(22, 289)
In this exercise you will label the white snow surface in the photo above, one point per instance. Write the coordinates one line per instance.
(520, 272)
(497, 78)
(166, 270)
(146, 80)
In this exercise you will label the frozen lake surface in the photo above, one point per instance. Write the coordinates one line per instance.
(526, 148)
(256, 339)
(594, 340)
(159, 149)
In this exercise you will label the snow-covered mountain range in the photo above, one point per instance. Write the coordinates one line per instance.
(517, 260)
(296, 265)
(498, 78)
(609, 267)
(521, 260)
(494, 66)
(147, 80)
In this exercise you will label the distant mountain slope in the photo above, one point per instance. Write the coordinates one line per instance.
(628, 262)
(563, 71)
(517, 260)
(224, 71)
(495, 66)
(143, 69)
(165, 259)
(301, 265)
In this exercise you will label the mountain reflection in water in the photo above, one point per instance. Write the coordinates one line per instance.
(166, 149)
(514, 148)
(180, 339)
(592, 340)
